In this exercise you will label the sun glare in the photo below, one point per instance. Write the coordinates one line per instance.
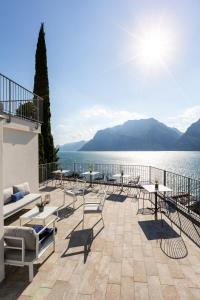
(154, 45)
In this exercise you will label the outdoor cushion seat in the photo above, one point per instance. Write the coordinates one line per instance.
(13, 207)
(92, 208)
(23, 246)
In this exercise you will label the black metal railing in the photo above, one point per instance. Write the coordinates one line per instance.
(17, 101)
(185, 190)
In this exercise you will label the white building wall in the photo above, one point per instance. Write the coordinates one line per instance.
(1, 204)
(20, 154)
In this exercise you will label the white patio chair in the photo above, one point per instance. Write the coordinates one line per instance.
(77, 190)
(23, 246)
(94, 205)
(132, 185)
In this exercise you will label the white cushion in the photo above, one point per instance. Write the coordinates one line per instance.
(23, 187)
(13, 207)
(7, 195)
(90, 207)
(27, 233)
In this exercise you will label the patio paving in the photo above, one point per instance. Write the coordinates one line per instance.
(132, 257)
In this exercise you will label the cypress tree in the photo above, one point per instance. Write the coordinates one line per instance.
(47, 151)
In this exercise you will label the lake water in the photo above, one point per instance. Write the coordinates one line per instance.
(184, 163)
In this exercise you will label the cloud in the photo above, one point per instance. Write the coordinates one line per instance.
(85, 123)
(183, 120)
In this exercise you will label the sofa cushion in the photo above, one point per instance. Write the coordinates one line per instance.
(17, 196)
(7, 195)
(27, 233)
(23, 187)
(13, 207)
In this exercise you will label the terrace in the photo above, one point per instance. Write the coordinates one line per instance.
(133, 257)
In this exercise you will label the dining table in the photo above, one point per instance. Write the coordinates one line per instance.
(152, 189)
(121, 177)
(91, 175)
(61, 173)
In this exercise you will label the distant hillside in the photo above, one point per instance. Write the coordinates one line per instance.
(190, 140)
(145, 134)
(72, 146)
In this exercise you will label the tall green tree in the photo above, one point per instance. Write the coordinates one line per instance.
(47, 150)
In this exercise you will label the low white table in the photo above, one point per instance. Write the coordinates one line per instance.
(151, 189)
(121, 177)
(91, 174)
(36, 217)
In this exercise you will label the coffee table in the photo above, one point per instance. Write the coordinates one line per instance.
(33, 216)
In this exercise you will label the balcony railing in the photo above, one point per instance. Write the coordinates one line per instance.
(185, 190)
(17, 101)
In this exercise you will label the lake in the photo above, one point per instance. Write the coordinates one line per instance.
(184, 163)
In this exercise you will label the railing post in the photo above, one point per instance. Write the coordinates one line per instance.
(164, 177)
(149, 174)
(38, 114)
(10, 102)
(189, 188)
(74, 169)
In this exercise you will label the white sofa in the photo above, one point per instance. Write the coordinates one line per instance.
(23, 246)
(11, 207)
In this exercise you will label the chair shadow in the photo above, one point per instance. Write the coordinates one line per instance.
(116, 197)
(48, 189)
(81, 238)
(171, 243)
(64, 212)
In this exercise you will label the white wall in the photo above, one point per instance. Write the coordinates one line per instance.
(1, 204)
(20, 154)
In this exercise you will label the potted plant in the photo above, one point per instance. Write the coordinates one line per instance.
(90, 168)
(156, 184)
(43, 202)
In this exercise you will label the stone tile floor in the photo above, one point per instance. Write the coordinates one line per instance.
(132, 257)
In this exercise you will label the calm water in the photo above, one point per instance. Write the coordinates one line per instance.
(184, 163)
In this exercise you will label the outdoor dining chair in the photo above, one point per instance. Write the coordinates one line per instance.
(94, 205)
(110, 181)
(133, 186)
(78, 189)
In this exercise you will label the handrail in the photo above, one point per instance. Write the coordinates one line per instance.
(17, 101)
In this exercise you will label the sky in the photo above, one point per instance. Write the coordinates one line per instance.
(102, 69)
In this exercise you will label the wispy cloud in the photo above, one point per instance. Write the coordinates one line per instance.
(183, 120)
(85, 123)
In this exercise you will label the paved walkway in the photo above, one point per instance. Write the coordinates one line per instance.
(133, 257)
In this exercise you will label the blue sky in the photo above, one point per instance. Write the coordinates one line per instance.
(93, 81)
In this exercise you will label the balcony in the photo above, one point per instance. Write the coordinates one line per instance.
(17, 101)
(132, 257)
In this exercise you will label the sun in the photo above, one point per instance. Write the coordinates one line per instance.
(154, 47)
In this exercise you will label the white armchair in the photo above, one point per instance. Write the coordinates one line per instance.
(23, 246)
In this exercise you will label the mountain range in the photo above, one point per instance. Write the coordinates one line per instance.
(72, 146)
(145, 135)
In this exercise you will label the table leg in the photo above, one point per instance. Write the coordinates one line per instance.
(90, 180)
(156, 205)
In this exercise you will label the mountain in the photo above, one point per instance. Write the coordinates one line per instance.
(72, 146)
(145, 134)
(190, 140)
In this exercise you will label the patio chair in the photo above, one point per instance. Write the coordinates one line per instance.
(77, 190)
(24, 246)
(94, 205)
(144, 196)
(110, 181)
(133, 184)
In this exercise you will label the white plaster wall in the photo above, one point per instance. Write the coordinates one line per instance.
(1, 204)
(20, 157)
(20, 153)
